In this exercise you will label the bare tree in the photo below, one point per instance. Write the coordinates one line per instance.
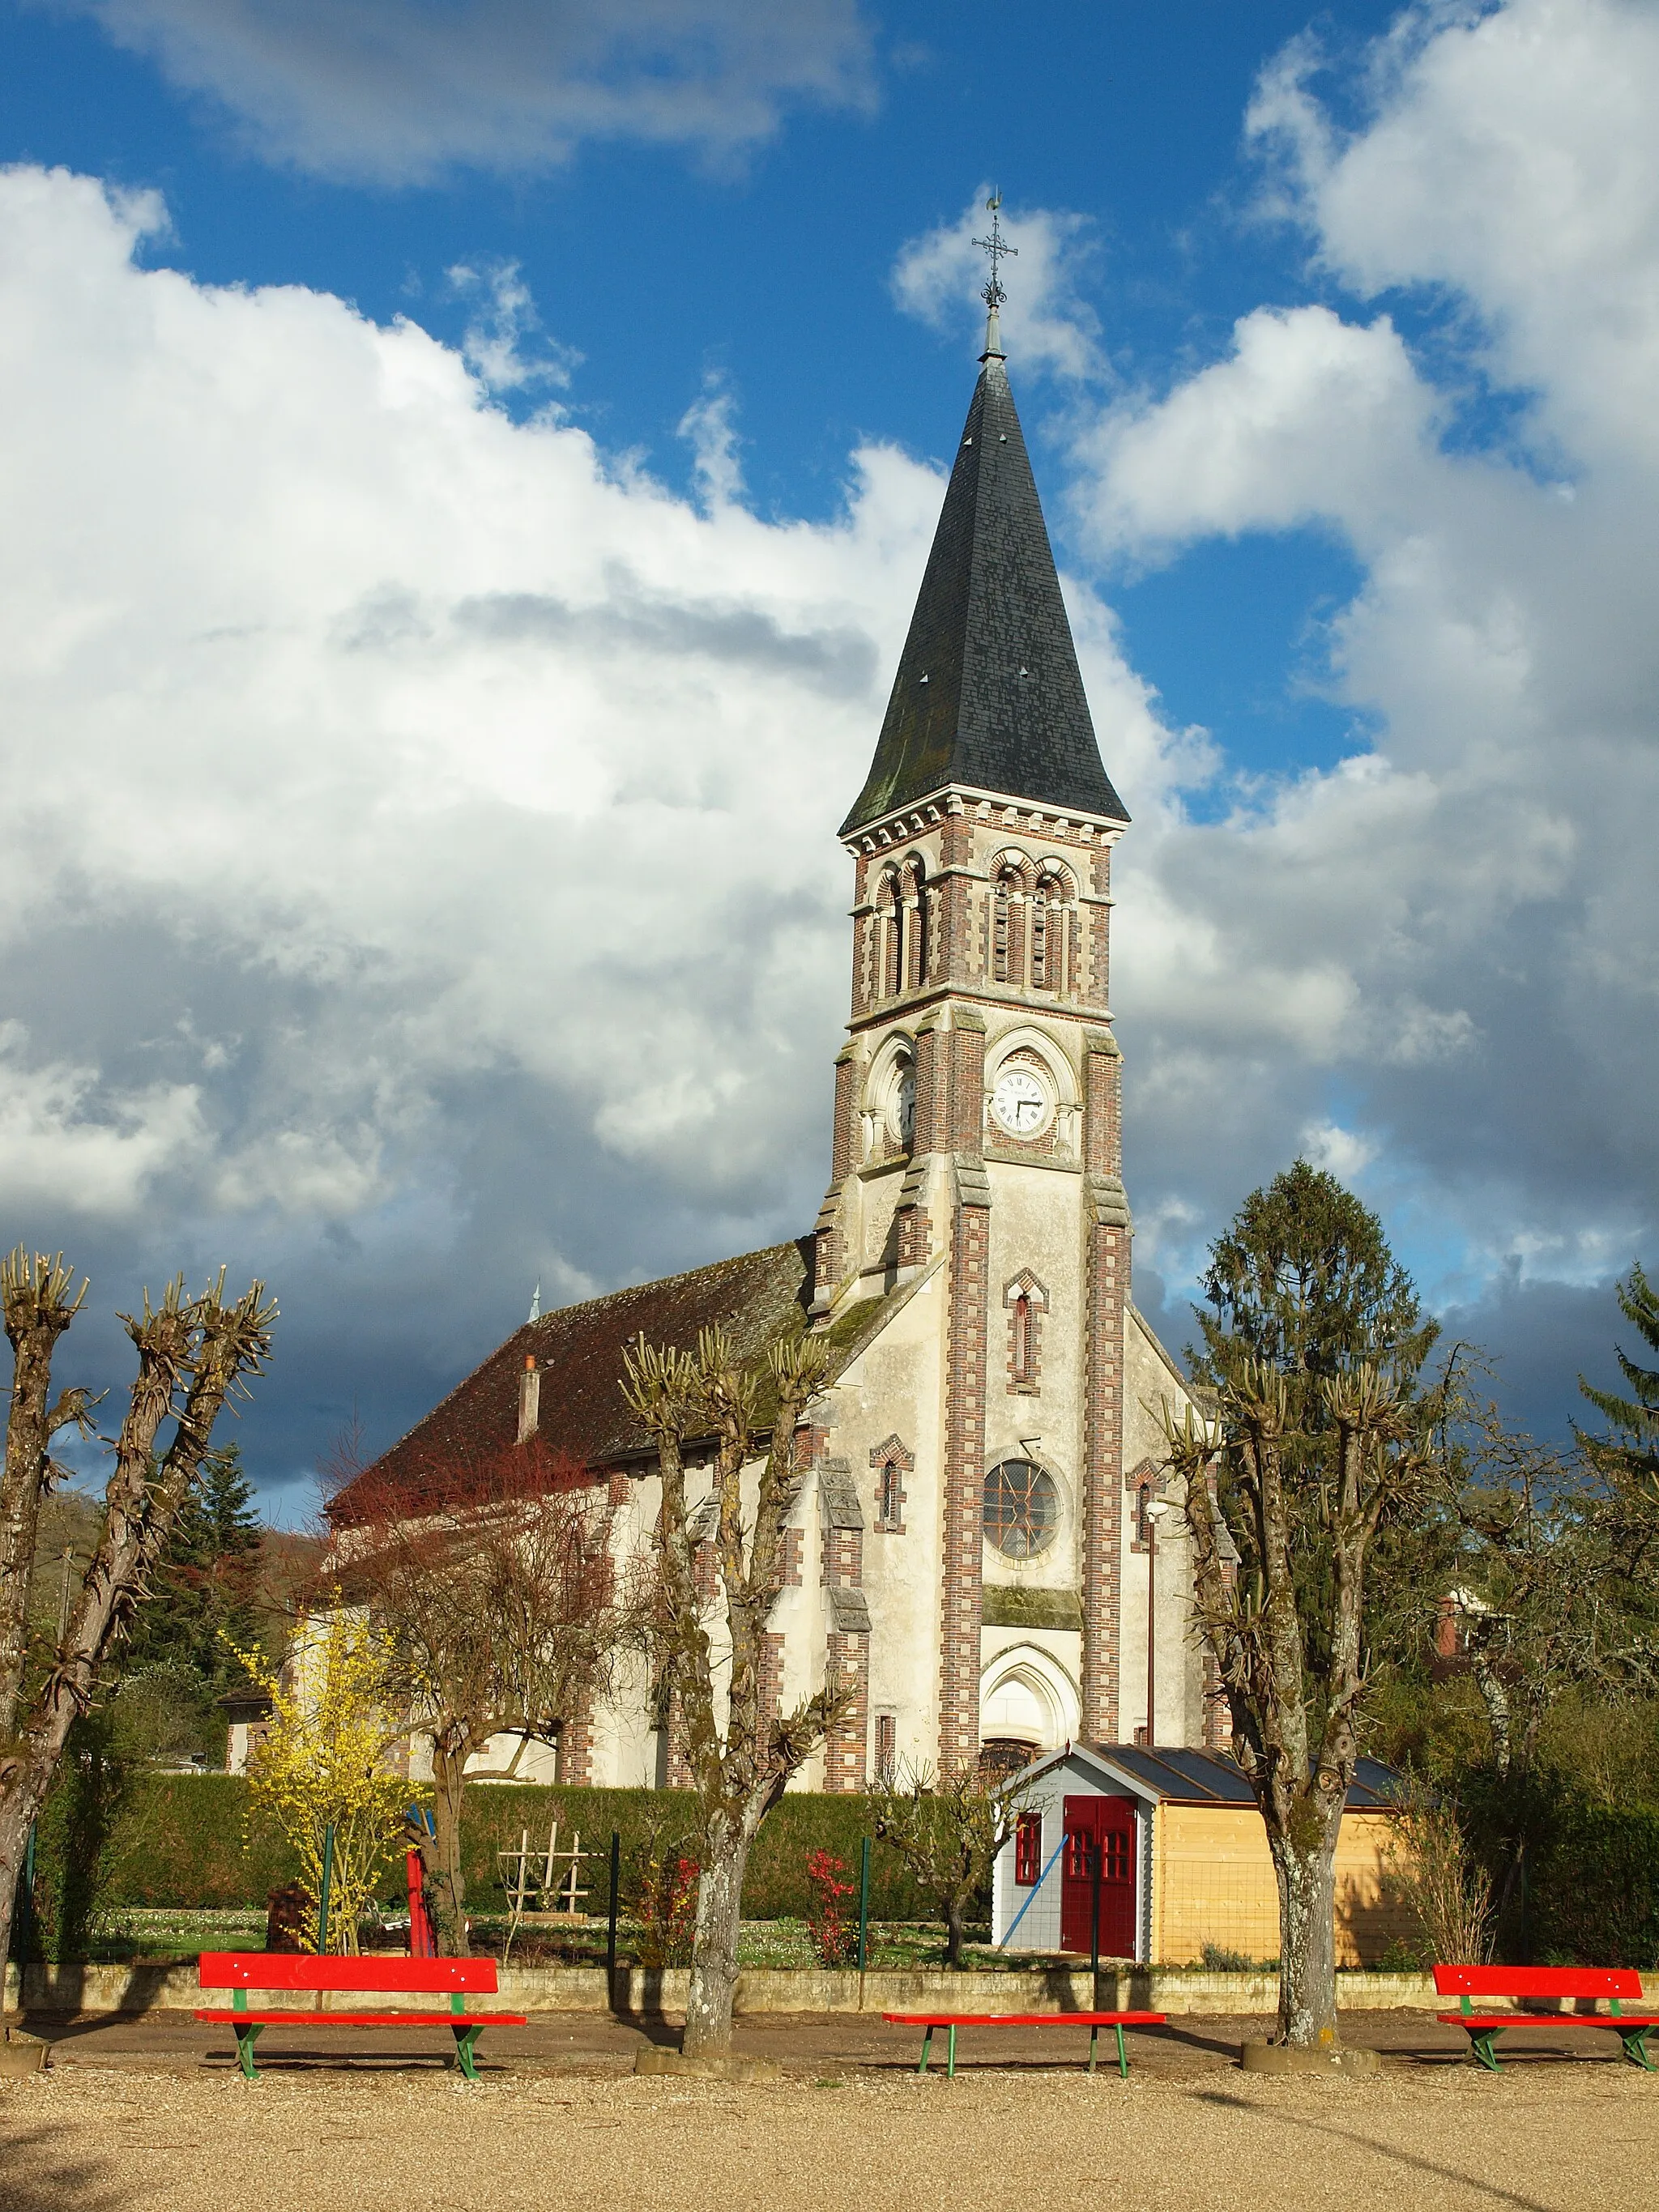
(740, 1750)
(948, 1830)
(493, 1576)
(1544, 1601)
(193, 1354)
(1443, 1882)
(1294, 1694)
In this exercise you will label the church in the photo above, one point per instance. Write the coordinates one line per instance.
(978, 1545)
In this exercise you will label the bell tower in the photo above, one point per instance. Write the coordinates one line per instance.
(976, 1145)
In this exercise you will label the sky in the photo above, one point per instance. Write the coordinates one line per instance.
(469, 465)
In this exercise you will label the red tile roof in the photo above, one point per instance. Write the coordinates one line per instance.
(756, 1298)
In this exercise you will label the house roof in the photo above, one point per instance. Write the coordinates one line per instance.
(1186, 1777)
(756, 1298)
(988, 694)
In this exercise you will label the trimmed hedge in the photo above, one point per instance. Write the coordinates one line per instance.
(181, 1839)
(1596, 1887)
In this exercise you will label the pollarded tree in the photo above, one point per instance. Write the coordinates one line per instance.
(948, 1830)
(1313, 1348)
(741, 1752)
(491, 1576)
(193, 1354)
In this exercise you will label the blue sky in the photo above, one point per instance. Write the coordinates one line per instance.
(770, 267)
(1324, 334)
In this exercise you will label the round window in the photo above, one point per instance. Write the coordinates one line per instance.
(1022, 1508)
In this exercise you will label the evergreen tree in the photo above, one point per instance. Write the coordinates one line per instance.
(1304, 1281)
(1631, 1455)
(1317, 1442)
(204, 1588)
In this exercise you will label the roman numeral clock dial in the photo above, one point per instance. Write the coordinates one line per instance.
(1019, 1102)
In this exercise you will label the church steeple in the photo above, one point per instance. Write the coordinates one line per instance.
(979, 1052)
(988, 696)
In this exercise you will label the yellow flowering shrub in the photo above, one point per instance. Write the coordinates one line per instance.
(324, 1763)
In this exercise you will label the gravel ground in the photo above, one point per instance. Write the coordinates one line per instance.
(1547, 2135)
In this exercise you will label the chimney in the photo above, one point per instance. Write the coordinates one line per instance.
(530, 1399)
(1446, 1626)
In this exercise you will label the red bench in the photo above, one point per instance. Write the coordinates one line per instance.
(1545, 1984)
(242, 1970)
(1093, 2021)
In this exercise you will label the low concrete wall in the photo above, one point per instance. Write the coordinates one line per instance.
(644, 1995)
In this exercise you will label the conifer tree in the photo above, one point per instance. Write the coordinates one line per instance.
(203, 1591)
(1312, 1349)
(1630, 1456)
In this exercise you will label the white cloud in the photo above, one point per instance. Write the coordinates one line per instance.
(374, 752)
(1459, 922)
(502, 320)
(1509, 157)
(397, 93)
(1308, 419)
(708, 426)
(1046, 324)
(418, 859)
(1344, 1153)
(68, 1145)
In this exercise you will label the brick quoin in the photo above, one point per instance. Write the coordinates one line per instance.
(771, 1673)
(1106, 1290)
(962, 1563)
(575, 1766)
(848, 1657)
(829, 1260)
(678, 1766)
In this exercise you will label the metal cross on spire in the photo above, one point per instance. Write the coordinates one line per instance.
(996, 245)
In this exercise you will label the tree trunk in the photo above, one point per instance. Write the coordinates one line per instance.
(714, 1945)
(953, 1931)
(1496, 1698)
(447, 1892)
(16, 1817)
(1306, 1870)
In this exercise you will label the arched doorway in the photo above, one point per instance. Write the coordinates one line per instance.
(1027, 1704)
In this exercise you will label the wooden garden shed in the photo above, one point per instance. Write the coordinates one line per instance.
(1184, 1862)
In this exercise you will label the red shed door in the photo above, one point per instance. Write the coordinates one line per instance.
(1106, 1827)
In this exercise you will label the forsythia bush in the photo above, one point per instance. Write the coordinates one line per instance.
(323, 1763)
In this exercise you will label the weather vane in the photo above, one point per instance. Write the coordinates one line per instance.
(996, 245)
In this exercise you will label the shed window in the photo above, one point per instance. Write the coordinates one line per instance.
(1028, 1851)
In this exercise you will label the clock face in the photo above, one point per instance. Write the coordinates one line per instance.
(1019, 1102)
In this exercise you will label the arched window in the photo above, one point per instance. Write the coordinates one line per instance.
(1027, 1302)
(890, 939)
(916, 922)
(892, 1495)
(1021, 1360)
(1004, 928)
(891, 1462)
(1047, 934)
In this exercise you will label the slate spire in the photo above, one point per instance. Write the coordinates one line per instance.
(989, 693)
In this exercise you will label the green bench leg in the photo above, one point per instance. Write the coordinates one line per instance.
(1484, 2047)
(1122, 2055)
(1635, 2041)
(926, 2047)
(1094, 2038)
(245, 2039)
(951, 2053)
(467, 2040)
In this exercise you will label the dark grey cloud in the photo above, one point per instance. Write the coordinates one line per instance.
(836, 660)
(397, 93)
